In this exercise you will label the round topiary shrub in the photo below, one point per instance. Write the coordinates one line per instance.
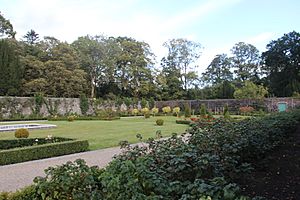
(160, 122)
(22, 133)
(71, 118)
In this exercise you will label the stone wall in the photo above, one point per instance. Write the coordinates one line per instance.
(217, 105)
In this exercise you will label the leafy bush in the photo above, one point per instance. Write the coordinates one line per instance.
(84, 104)
(73, 180)
(176, 110)
(135, 111)
(10, 144)
(246, 110)
(181, 121)
(202, 110)
(159, 122)
(71, 118)
(166, 109)
(42, 151)
(22, 133)
(187, 110)
(155, 110)
(63, 118)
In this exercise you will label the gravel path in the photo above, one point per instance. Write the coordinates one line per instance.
(16, 176)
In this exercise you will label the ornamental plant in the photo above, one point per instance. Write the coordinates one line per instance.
(176, 110)
(160, 122)
(155, 111)
(166, 110)
(245, 110)
(187, 110)
(202, 110)
(22, 133)
(145, 112)
(135, 112)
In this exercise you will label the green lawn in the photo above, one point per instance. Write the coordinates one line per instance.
(103, 134)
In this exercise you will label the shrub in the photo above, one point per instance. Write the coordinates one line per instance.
(147, 115)
(202, 110)
(22, 133)
(181, 121)
(225, 109)
(84, 104)
(135, 112)
(160, 122)
(166, 109)
(73, 180)
(71, 118)
(187, 110)
(176, 110)
(246, 110)
(144, 110)
(155, 110)
(42, 151)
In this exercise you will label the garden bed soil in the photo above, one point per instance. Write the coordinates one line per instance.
(276, 177)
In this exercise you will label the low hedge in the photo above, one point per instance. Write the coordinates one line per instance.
(17, 143)
(18, 155)
(183, 121)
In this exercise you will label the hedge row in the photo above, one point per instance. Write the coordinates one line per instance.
(17, 143)
(65, 118)
(42, 151)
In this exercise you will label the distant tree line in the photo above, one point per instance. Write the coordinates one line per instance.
(113, 67)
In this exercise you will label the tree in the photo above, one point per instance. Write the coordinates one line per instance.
(11, 71)
(31, 37)
(250, 91)
(246, 62)
(218, 70)
(282, 64)
(91, 53)
(6, 28)
(182, 55)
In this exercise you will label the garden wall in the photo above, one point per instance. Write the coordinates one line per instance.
(26, 107)
(217, 105)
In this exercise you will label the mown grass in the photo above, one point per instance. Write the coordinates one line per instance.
(103, 134)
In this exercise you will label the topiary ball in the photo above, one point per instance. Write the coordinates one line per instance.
(160, 122)
(22, 133)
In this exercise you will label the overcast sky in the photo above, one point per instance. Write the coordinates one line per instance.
(216, 24)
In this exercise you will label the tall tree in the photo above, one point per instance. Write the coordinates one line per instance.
(11, 71)
(6, 28)
(218, 70)
(282, 64)
(91, 53)
(182, 54)
(249, 90)
(31, 37)
(245, 60)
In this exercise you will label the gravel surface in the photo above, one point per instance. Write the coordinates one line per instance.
(16, 176)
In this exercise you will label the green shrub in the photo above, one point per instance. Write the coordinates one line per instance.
(166, 109)
(181, 121)
(42, 151)
(147, 115)
(187, 110)
(176, 110)
(17, 143)
(155, 111)
(84, 104)
(22, 133)
(73, 180)
(159, 122)
(71, 118)
(135, 112)
(226, 109)
(203, 110)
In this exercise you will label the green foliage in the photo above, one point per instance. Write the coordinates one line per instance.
(155, 110)
(84, 104)
(71, 118)
(16, 143)
(203, 110)
(159, 122)
(176, 110)
(226, 109)
(144, 103)
(27, 193)
(281, 65)
(187, 110)
(183, 121)
(73, 180)
(166, 109)
(250, 91)
(38, 101)
(42, 151)
(22, 133)
(135, 111)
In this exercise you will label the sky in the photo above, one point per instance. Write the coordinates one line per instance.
(216, 24)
